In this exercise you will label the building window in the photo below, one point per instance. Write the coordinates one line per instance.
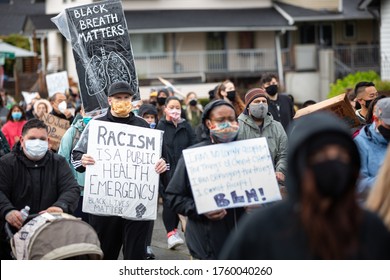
(148, 43)
(349, 30)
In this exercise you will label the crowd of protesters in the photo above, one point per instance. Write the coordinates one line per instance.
(333, 180)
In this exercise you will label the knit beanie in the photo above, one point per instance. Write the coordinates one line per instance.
(253, 94)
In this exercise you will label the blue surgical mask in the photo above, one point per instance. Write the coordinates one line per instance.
(86, 119)
(17, 116)
(36, 149)
(224, 132)
(135, 112)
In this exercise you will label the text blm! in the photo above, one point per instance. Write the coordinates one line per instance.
(231, 175)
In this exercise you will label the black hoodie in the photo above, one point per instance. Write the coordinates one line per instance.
(276, 232)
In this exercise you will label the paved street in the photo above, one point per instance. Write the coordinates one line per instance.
(159, 242)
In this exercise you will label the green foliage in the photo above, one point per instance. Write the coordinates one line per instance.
(17, 40)
(352, 79)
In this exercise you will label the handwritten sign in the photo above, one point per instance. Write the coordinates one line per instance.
(123, 181)
(57, 128)
(57, 82)
(231, 175)
(29, 96)
(101, 46)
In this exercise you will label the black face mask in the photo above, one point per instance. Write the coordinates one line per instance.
(193, 102)
(231, 95)
(154, 102)
(272, 90)
(332, 177)
(368, 102)
(385, 132)
(161, 100)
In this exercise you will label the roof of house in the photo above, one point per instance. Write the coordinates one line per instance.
(207, 20)
(13, 16)
(350, 11)
(149, 21)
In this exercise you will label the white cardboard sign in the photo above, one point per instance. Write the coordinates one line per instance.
(123, 181)
(231, 175)
(57, 82)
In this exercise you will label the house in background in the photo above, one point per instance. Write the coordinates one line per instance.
(381, 10)
(309, 43)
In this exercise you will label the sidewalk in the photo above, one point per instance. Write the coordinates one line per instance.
(159, 242)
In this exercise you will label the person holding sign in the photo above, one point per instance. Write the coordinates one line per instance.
(322, 218)
(206, 233)
(256, 122)
(115, 231)
(35, 176)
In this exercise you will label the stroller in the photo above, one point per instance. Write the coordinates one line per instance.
(55, 236)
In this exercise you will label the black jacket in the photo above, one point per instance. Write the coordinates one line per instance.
(276, 232)
(282, 110)
(204, 237)
(41, 184)
(175, 140)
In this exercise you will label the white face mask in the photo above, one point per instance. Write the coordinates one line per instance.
(36, 149)
(62, 106)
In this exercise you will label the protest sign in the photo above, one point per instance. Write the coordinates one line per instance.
(57, 128)
(101, 48)
(29, 96)
(122, 182)
(231, 175)
(57, 82)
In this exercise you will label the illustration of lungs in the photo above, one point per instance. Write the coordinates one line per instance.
(116, 69)
(95, 79)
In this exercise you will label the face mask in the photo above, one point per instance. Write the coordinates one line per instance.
(36, 149)
(174, 114)
(385, 132)
(231, 95)
(272, 90)
(135, 112)
(332, 177)
(121, 108)
(154, 102)
(161, 100)
(193, 102)
(258, 110)
(368, 102)
(16, 116)
(62, 107)
(86, 120)
(152, 125)
(224, 132)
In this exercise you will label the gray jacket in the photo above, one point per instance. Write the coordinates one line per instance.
(273, 131)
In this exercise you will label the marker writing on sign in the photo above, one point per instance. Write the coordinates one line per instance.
(250, 196)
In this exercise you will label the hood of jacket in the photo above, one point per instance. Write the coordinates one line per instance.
(311, 131)
(247, 119)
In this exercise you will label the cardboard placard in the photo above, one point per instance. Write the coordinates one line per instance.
(339, 105)
(231, 175)
(123, 181)
(57, 128)
(57, 82)
(101, 47)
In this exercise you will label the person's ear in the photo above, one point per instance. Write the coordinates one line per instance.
(208, 124)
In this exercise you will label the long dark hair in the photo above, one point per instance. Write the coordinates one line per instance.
(331, 224)
(9, 115)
